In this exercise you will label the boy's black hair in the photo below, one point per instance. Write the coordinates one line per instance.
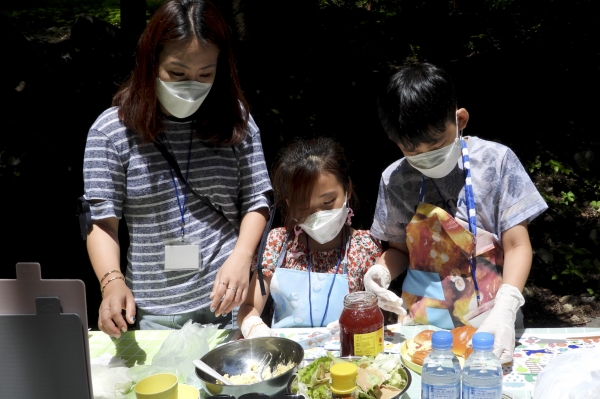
(417, 104)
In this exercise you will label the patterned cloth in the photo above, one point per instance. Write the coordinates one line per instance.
(134, 180)
(362, 254)
(504, 194)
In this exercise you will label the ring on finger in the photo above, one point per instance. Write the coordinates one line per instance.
(234, 289)
(105, 309)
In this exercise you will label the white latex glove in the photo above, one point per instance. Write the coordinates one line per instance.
(501, 321)
(377, 279)
(254, 327)
(334, 326)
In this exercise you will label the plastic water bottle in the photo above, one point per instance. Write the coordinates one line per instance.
(482, 373)
(440, 378)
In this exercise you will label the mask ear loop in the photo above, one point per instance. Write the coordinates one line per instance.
(458, 136)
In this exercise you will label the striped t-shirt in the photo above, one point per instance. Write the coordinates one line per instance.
(134, 180)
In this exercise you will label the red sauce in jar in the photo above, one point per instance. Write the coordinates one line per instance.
(361, 325)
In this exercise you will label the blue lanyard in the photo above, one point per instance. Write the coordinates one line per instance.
(337, 268)
(471, 213)
(179, 205)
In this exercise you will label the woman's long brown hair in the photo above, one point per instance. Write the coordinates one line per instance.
(223, 116)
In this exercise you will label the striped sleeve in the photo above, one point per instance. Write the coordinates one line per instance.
(254, 176)
(104, 176)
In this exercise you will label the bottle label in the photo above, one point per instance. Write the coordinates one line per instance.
(440, 391)
(481, 393)
(370, 344)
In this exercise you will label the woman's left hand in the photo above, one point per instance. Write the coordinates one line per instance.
(231, 283)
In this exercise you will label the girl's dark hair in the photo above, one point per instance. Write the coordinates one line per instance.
(417, 104)
(223, 116)
(297, 170)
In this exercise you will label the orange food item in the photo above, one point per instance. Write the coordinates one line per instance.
(462, 336)
(424, 338)
(419, 356)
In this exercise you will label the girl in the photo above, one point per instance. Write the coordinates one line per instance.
(179, 157)
(317, 258)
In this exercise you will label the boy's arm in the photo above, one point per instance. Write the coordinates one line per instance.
(395, 259)
(390, 265)
(517, 263)
(517, 255)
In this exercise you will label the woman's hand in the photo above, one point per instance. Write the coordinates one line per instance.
(116, 298)
(231, 283)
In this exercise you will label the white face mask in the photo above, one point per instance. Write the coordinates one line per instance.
(181, 99)
(438, 163)
(324, 226)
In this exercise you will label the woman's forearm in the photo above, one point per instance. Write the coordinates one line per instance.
(103, 246)
(251, 230)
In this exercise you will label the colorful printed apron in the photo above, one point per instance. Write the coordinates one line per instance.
(452, 277)
(296, 293)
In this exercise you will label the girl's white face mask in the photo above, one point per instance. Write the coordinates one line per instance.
(182, 99)
(438, 163)
(324, 226)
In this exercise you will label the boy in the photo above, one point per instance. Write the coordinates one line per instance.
(443, 193)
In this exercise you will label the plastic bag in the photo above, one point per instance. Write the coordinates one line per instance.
(109, 378)
(177, 353)
(573, 375)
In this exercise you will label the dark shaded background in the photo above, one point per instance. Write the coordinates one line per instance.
(528, 73)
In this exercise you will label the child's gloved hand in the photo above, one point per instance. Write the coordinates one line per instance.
(334, 326)
(377, 279)
(501, 321)
(254, 327)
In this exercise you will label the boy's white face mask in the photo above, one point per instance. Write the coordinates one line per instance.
(438, 163)
(182, 99)
(324, 226)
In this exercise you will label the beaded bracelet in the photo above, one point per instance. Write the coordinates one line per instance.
(112, 271)
(112, 279)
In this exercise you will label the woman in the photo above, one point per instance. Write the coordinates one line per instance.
(194, 221)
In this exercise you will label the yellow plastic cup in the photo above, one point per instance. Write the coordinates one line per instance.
(188, 392)
(157, 386)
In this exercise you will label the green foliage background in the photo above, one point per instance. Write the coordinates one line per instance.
(534, 63)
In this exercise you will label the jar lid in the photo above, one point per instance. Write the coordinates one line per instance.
(343, 377)
(360, 299)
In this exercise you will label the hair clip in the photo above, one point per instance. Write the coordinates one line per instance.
(294, 250)
(350, 214)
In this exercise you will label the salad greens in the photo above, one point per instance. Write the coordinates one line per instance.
(378, 378)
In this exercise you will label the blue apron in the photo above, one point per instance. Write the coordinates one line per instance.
(297, 293)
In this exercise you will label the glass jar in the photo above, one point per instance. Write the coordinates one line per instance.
(361, 325)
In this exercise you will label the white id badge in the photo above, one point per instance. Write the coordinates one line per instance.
(182, 256)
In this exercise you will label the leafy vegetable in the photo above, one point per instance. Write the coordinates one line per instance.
(314, 371)
(383, 371)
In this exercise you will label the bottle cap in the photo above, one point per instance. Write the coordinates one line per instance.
(442, 340)
(343, 377)
(482, 341)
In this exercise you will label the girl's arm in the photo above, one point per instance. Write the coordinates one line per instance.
(104, 252)
(255, 301)
(231, 281)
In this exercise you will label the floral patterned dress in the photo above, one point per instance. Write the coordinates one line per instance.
(362, 254)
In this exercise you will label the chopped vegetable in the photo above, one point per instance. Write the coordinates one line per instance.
(378, 378)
